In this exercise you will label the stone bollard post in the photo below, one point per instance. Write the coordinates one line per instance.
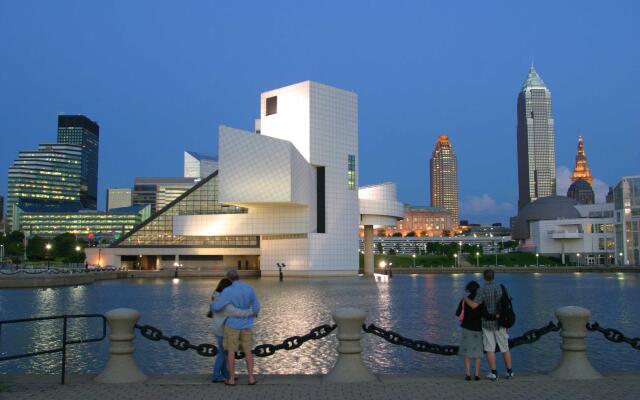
(574, 363)
(349, 367)
(121, 367)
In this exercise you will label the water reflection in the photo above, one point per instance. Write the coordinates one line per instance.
(420, 307)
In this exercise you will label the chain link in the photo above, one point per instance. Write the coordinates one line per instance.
(614, 335)
(534, 335)
(210, 350)
(417, 345)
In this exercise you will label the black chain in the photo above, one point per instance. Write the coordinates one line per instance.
(417, 345)
(210, 350)
(534, 335)
(614, 335)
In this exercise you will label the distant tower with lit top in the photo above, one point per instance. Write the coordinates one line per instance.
(536, 141)
(444, 178)
(581, 170)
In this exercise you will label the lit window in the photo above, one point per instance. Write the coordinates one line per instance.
(351, 172)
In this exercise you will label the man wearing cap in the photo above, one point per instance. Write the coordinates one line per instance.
(237, 330)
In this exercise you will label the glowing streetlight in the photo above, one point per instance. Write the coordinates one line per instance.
(537, 264)
(414, 260)
(78, 248)
(455, 259)
(477, 258)
(47, 248)
(383, 264)
(578, 254)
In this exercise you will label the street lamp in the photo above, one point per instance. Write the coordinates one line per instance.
(455, 259)
(78, 248)
(620, 254)
(537, 263)
(1, 254)
(414, 260)
(48, 247)
(477, 258)
(383, 264)
(578, 254)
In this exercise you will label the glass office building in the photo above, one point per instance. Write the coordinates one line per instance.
(626, 199)
(85, 224)
(536, 141)
(46, 177)
(81, 131)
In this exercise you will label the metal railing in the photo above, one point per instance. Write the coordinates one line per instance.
(65, 342)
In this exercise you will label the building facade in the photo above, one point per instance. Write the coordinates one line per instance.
(536, 141)
(582, 192)
(85, 224)
(80, 130)
(581, 169)
(118, 198)
(444, 178)
(49, 176)
(288, 194)
(159, 192)
(626, 200)
(423, 221)
(199, 165)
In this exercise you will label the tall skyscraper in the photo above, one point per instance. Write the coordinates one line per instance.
(444, 178)
(536, 141)
(581, 170)
(80, 130)
(50, 176)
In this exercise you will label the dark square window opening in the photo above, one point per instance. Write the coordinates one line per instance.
(272, 105)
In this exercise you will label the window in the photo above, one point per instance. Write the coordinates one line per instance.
(351, 172)
(272, 105)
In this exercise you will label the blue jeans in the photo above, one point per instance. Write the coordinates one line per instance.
(220, 371)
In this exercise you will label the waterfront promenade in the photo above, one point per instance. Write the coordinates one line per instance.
(290, 387)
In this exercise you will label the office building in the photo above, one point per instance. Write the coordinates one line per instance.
(47, 177)
(287, 195)
(85, 224)
(626, 201)
(118, 198)
(536, 141)
(199, 165)
(444, 178)
(423, 221)
(1, 213)
(582, 192)
(80, 130)
(576, 233)
(159, 192)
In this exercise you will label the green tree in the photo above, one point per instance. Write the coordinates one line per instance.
(411, 234)
(379, 248)
(64, 245)
(36, 248)
(397, 234)
(13, 244)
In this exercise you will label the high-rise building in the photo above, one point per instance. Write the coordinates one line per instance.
(581, 170)
(444, 178)
(118, 198)
(80, 130)
(626, 199)
(1, 213)
(49, 176)
(536, 141)
(199, 165)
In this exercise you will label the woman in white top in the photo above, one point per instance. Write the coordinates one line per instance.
(220, 372)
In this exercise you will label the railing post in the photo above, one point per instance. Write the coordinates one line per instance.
(349, 366)
(574, 363)
(121, 367)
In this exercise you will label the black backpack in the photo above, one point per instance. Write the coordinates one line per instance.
(506, 315)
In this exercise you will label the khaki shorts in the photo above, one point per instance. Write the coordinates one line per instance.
(490, 338)
(235, 339)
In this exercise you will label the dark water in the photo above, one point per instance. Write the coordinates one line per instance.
(415, 306)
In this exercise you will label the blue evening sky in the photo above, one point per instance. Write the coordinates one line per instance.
(160, 76)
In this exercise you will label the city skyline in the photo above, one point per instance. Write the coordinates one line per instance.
(157, 107)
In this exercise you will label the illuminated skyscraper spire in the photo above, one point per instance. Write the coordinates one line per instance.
(581, 170)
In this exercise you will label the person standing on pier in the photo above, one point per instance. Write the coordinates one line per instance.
(492, 333)
(237, 330)
(471, 332)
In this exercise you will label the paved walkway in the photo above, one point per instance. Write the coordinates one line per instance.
(195, 387)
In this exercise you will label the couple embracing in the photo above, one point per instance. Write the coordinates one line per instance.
(234, 306)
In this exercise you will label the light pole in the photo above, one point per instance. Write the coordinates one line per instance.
(455, 259)
(1, 254)
(383, 265)
(47, 248)
(578, 264)
(537, 257)
(477, 259)
(620, 254)
(414, 260)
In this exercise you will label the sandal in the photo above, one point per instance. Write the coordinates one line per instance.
(229, 383)
(253, 383)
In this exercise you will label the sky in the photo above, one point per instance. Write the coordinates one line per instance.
(161, 76)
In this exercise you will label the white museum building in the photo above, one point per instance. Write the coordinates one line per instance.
(284, 193)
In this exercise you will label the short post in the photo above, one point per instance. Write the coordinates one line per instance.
(121, 367)
(349, 367)
(574, 363)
